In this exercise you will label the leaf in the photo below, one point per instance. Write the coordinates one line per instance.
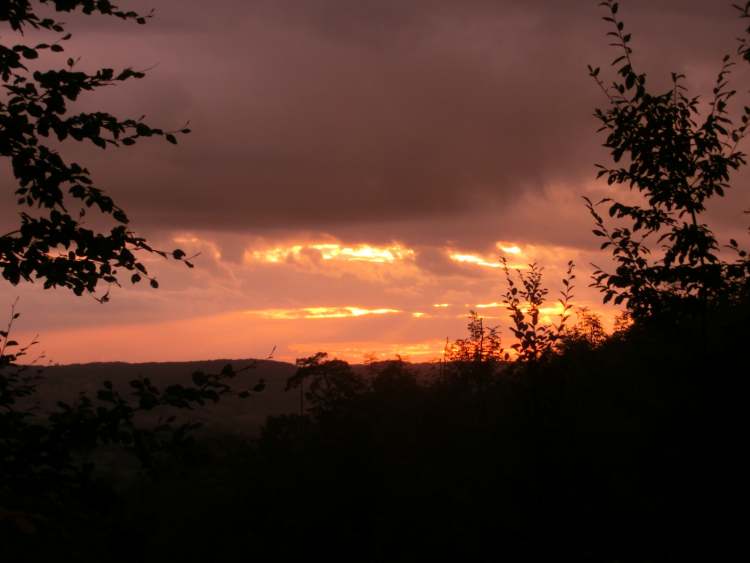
(29, 53)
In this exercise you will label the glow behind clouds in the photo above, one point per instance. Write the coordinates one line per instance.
(332, 251)
(356, 169)
(353, 300)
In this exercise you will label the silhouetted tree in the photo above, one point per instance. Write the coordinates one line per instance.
(392, 377)
(623, 321)
(473, 361)
(329, 382)
(588, 330)
(677, 157)
(482, 345)
(536, 339)
(52, 243)
(45, 455)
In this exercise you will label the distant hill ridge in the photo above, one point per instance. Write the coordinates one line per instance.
(243, 416)
(230, 414)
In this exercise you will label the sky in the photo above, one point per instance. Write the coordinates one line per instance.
(355, 169)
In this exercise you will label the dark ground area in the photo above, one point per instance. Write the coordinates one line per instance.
(627, 451)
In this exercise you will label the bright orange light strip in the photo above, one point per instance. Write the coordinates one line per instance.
(511, 249)
(489, 305)
(364, 253)
(359, 351)
(472, 259)
(334, 251)
(321, 313)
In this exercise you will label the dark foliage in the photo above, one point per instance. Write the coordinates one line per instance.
(677, 157)
(535, 339)
(627, 451)
(330, 382)
(47, 457)
(471, 363)
(52, 242)
(588, 331)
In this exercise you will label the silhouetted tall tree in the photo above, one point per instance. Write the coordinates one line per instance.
(677, 156)
(43, 455)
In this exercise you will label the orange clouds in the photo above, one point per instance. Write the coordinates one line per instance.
(470, 258)
(488, 305)
(321, 313)
(474, 259)
(364, 253)
(513, 249)
(331, 251)
(301, 294)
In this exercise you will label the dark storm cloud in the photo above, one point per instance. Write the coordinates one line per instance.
(340, 115)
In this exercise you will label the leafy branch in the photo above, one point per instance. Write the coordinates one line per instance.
(677, 159)
(524, 299)
(52, 243)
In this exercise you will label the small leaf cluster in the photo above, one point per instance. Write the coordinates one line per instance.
(21, 13)
(744, 47)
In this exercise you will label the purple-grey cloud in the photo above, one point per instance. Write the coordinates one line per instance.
(338, 116)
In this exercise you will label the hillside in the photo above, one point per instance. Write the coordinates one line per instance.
(231, 414)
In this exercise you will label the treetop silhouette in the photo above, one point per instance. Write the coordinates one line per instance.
(678, 156)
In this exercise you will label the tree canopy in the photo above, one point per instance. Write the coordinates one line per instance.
(52, 242)
(678, 152)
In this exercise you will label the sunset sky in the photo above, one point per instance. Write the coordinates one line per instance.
(356, 169)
